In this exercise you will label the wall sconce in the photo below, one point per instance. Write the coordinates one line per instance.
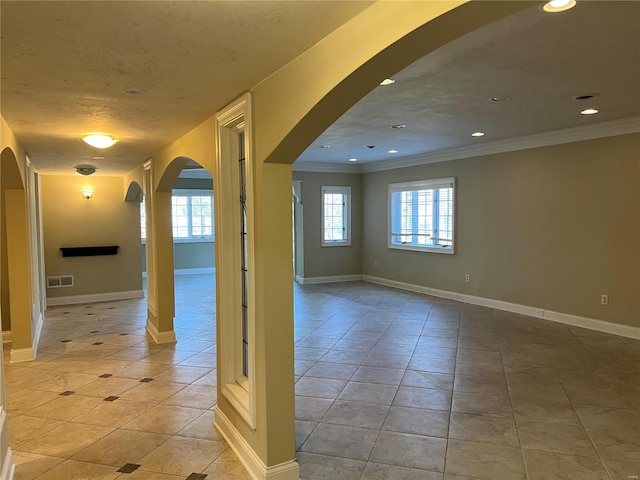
(87, 193)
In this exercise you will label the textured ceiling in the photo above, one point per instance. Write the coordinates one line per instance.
(66, 64)
(540, 60)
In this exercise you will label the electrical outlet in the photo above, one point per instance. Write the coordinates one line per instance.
(467, 278)
(604, 299)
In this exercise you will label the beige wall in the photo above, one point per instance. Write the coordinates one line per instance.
(71, 221)
(551, 227)
(322, 261)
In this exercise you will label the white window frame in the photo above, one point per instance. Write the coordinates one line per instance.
(238, 389)
(194, 193)
(431, 184)
(346, 193)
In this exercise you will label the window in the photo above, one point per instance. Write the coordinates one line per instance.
(421, 215)
(336, 216)
(191, 215)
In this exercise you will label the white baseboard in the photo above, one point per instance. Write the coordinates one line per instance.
(6, 336)
(19, 355)
(255, 467)
(8, 467)
(536, 312)
(189, 271)
(160, 337)
(96, 297)
(35, 335)
(331, 279)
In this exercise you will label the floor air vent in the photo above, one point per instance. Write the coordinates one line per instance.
(60, 281)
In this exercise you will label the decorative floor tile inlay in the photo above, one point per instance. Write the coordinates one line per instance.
(67, 393)
(128, 468)
(106, 375)
(110, 398)
(65, 341)
(97, 343)
(94, 331)
(146, 380)
(197, 476)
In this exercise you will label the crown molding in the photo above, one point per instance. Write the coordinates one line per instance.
(556, 137)
(325, 167)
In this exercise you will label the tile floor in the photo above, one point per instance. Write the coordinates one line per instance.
(390, 385)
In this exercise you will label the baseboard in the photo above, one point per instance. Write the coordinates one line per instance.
(19, 355)
(160, 337)
(96, 297)
(536, 312)
(8, 467)
(331, 279)
(194, 271)
(35, 335)
(6, 336)
(254, 466)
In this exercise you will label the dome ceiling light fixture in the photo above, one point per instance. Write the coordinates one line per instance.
(589, 111)
(99, 140)
(387, 81)
(477, 134)
(555, 6)
(353, 160)
(85, 169)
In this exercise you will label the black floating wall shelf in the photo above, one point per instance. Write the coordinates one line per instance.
(89, 251)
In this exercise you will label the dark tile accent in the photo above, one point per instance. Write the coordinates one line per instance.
(197, 476)
(67, 393)
(123, 334)
(94, 331)
(128, 468)
(89, 313)
(106, 375)
(146, 380)
(110, 399)
(97, 343)
(64, 341)
(88, 306)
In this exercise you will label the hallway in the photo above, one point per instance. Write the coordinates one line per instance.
(390, 385)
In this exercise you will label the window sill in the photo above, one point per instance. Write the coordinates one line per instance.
(336, 244)
(414, 248)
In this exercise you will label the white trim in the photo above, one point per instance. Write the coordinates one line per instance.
(194, 271)
(95, 297)
(324, 167)
(160, 337)
(35, 334)
(330, 279)
(557, 137)
(19, 355)
(536, 312)
(345, 191)
(6, 336)
(8, 468)
(254, 466)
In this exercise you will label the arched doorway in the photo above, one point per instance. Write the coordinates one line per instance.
(16, 265)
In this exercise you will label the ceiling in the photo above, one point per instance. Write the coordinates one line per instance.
(65, 66)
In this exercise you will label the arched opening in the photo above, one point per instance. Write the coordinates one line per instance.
(180, 250)
(16, 289)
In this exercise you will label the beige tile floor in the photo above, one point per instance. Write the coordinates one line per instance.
(390, 385)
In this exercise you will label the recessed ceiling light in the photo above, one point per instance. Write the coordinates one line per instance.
(392, 151)
(555, 6)
(477, 134)
(353, 159)
(99, 140)
(589, 111)
(325, 146)
(387, 81)
(500, 99)
(133, 91)
(400, 125)
(98, 158)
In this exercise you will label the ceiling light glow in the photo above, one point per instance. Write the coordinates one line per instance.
(99, 140)
(400, 125)
(477, 134)
(325, 146)
(392, 151)
(555, 6)
(589, 111)
(387, 81)
(353, 159)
